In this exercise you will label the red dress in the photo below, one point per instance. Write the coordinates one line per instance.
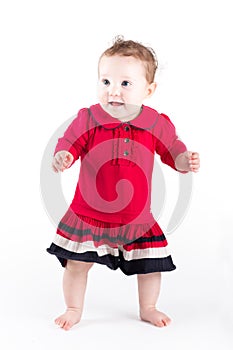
(109, 220)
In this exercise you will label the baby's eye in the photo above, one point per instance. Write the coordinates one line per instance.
(105, 82)
(125, 83)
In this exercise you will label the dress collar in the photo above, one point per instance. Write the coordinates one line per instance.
(145, 120)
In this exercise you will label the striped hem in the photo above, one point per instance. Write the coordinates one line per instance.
(87, 239)
(131, 267)
(130, 252)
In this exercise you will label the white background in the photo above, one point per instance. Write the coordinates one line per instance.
(49, 53)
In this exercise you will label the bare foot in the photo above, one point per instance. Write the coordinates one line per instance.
(155, 317)
(69, 318)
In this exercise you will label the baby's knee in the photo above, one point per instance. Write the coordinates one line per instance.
(78, 266)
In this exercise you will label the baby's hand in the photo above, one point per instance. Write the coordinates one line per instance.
(188, 161)
(62, 160)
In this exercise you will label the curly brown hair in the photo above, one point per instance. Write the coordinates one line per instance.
(135, 49)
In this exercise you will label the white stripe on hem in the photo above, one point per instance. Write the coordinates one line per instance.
(88, 246)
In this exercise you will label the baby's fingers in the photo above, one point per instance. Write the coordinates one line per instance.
(54, 168)
(194, 168)
(194, 162)
(62, 160)
(67, 162)
(57, 164)
(194, 155)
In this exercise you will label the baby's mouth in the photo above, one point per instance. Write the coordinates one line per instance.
(116, 103)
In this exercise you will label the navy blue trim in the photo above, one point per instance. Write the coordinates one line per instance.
(133, 267)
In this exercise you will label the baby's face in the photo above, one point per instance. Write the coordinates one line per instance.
(122, 86)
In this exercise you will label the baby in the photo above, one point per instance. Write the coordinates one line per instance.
(109, 221)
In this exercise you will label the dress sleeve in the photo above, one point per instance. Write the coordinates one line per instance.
(167, 143)
(76, 135)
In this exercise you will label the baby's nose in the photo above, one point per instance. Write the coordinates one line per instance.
(114, 90)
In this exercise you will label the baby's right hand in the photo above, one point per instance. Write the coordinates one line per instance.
(62, 160)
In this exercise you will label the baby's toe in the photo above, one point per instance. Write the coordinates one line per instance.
(67, 325)
(167, 321)
(60, 322)
(160, 324)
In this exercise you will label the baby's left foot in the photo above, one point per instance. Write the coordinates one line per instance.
(69, 318)
(155, 317)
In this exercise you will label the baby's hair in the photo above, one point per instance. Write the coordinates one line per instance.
(137, 50)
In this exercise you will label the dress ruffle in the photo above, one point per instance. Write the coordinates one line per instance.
(134, 248)
(79, 228)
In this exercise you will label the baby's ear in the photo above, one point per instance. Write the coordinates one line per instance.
(151, 89)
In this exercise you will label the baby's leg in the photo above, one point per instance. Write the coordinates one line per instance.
(74, 287)
(148, 290)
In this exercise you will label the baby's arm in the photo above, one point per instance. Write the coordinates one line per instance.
(188, 161)
(62, 160)
(71, 145)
